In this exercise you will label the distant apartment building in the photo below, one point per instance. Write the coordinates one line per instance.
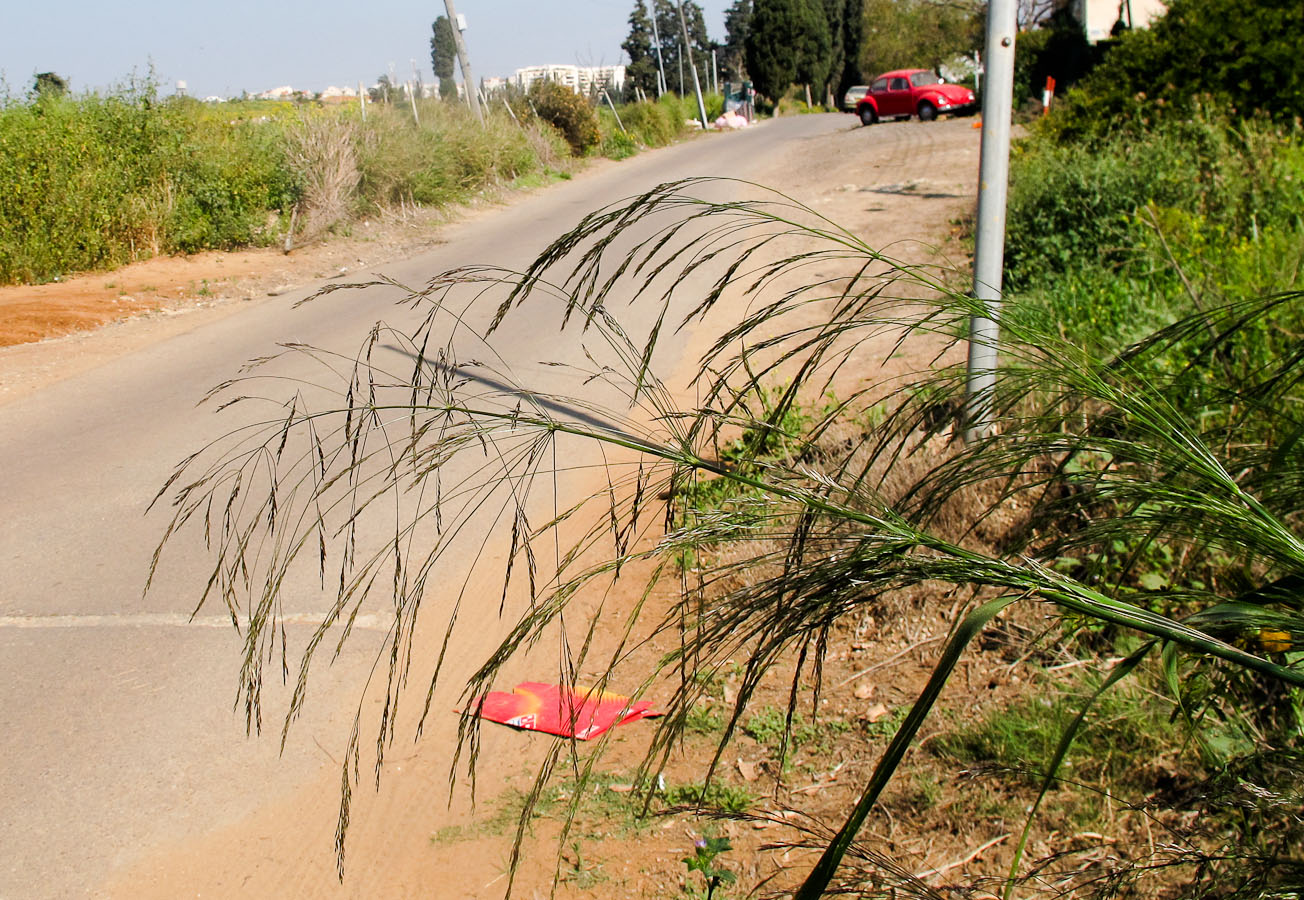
(1098, 17)
(284, 92)
(335, 94)
(581, 79)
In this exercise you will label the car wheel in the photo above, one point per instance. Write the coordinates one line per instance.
(867, 116)
(927, 112)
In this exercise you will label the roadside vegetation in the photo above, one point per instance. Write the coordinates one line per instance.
(1129, 534)
(96, 181)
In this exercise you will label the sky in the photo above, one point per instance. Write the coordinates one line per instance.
(222, 49)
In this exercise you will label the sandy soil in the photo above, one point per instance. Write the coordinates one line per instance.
(460, 851)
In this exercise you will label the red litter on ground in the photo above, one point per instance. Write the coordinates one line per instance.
(578, 712)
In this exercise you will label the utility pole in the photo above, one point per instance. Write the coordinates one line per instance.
(688, 48)
(412, 92)
(468, 80)
(661, 63)
(989, 243)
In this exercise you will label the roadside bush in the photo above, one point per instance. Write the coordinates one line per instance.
(98, 181)
(94, 181)
(1069, 209)
(569, 113)
(616, 144)
(651, 124)
(657, 123)
(323, 157)
(1244, 55)
(227, 178)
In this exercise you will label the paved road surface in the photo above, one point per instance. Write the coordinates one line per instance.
(116, 724)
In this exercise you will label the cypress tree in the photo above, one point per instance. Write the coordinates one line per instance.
(443, 53)
(642, 69)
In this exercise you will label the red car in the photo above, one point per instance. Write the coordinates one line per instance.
(910, 92)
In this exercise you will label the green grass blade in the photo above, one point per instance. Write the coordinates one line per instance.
(1121, 671)
(822, 875)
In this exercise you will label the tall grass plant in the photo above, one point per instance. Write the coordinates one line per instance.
(1092, 459)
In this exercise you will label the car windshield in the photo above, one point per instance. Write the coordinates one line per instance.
(919, 79)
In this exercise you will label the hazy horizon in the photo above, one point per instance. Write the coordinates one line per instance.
(255, 47)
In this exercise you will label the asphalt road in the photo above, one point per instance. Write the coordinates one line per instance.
(117, 727)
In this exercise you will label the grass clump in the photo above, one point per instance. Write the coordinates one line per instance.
(772, 728)
(1210, 473)
(1125, 742)
(716, 795)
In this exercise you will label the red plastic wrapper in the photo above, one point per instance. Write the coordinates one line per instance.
(581, 713)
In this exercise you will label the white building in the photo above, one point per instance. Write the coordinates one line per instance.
(338, 94)
(602, 78)
(1098, 16)
(581, 79)
(284, 92)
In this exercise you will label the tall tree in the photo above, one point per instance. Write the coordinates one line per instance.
(49, 84)
(737, 20)
(853, 30)
(443, 56)
(835, 12)
(642, 69)
(811, 44)
(788, 42)
(672, 41)
(917, 33)
(385, 91)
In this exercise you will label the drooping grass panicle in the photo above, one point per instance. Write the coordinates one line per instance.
(429, 452)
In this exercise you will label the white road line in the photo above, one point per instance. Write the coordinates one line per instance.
(366, 621)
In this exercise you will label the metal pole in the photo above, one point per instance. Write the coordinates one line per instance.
(688, 48)
(607, 97)
(412, 95)
(661, 63)
(989, 244)
(468, 80)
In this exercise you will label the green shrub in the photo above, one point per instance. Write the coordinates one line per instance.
(652, 124)
(616, 144)
(98, 181)
(1058, 49)
(569, 113)
(1070, 209)
(94, 181)
(1244, 55)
